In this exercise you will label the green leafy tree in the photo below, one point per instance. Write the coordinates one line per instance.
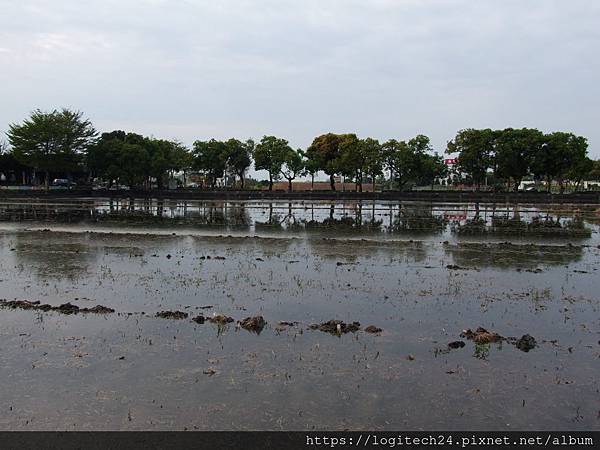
(293, 166)
(239, 157)
(211, 159)
(594, 173)
(420, 144)
(270, 154)
(182, 160)
(120, 157)
(161, 154)
(514, 153)
(373, 158)
(311, 167)
(432, 168)
(351, 161)
(51, 141)
(389, 149)
(325, 154)
(475, 150)
(360, 157)
(404, 160)
(558, 154)
(580, 170)
(134, 160)
(10, 166)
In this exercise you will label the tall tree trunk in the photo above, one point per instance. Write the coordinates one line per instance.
(242, 181)
(47, 180)
(289, 184)
(373, 179)
(312, 181)
(270, 181)
(332, 182)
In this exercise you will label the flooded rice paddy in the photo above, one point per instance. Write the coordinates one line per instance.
(419, 279)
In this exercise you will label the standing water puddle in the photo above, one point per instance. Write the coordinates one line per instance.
(415, 275)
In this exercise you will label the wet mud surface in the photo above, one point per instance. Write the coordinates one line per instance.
(177, 327)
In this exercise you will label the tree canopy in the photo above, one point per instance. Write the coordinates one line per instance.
(51, 141)
(270, 154)
(65, 143)
(513, 154)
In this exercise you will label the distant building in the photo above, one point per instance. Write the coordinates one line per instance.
(452, 175)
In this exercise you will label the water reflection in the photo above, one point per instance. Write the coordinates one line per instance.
(346, 217)
(349, 251)
(56, 257)
(554, 222)
(418, 218)
(508, 255)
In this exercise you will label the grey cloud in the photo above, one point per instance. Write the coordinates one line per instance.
(197, 69)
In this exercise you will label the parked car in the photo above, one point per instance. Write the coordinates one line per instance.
(63, 182)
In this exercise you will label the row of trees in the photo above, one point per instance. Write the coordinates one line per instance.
(511, 155)
(335, 154)
(65, 142)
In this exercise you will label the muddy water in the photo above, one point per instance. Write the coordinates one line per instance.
(421, 273)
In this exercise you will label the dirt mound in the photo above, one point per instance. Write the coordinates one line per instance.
(200, 319)
(25, 304)
(220, 319)
(99, 309)
(68, 308)
(456, 345)
(65, 308)
(336, 327)
(254, 324)
(176, 315)
(526, 343)
(481, 336)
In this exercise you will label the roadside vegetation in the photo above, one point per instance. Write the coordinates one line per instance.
(64, 145)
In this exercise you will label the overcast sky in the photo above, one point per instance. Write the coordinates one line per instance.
(194, 69)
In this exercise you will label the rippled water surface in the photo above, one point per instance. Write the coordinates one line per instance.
(421, 272)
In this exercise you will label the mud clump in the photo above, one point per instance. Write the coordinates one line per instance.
(65, 308)
(481, 336)
(336, 327)
(526, 343)
(254, 324)
(220, 319)
(456, 345)
(176, 315)
(373, 329)
(99, 309)
(200, 319)
(68, 308)
(25, 304)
